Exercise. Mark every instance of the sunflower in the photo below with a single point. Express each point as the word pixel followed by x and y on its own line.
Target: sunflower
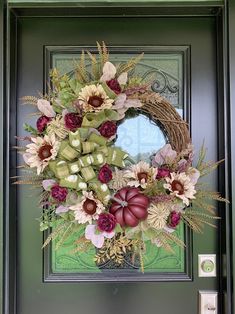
pixel 181 186
pixel 140 174
pixel 94 98
pixel 88 208
pixel 40 152
pixel 157 215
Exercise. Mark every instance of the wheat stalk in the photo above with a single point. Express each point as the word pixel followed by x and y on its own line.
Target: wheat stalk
pixel 54 234
pixel 129 65
pixel 94 66
pixel 29 100
pixel 64 236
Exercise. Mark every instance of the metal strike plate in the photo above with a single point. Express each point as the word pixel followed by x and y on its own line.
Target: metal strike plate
pixel 208 302
pixel 207 265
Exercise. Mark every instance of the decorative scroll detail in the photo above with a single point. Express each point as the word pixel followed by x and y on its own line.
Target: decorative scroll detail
pixel 162 81
pixel 156 260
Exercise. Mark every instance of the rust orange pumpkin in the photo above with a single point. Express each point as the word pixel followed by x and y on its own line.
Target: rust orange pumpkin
pixel 129 206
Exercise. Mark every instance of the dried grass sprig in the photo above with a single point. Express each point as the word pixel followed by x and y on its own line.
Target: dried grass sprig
pixel 19 148
pixel 27 182
pixel 94 66
pixel 103 53
pixel 164 241
pixel 193 224
pixel 81 73
pixel 82 245
pixel 55 233
pixel 129 65
pixel 197 220
pixel 199 203
pixel 208 167
pixel 211 195
pixel 65 235
pixel 115 249
pixel 172 237
pixel 29 100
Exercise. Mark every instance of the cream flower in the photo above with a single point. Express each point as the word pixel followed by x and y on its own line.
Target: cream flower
pixel 181 186
pixel 109 72
pixel 140 174
pixel 56 127
pixel 122 104
pixel 158 215
pixel 46 108
pixel 94 98
pixel 194 175
pixel 40 152
pixel 165 155
pixel 118 181
pixel 87 209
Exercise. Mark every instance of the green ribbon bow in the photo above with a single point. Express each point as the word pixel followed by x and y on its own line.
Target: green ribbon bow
pixel 78 157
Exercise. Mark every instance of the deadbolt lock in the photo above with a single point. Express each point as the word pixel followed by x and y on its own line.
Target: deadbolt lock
pixel 208 266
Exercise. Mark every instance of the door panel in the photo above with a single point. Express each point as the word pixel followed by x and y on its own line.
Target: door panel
pixel 36 296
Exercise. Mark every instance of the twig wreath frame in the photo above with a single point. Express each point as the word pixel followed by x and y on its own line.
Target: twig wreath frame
pixel 173 126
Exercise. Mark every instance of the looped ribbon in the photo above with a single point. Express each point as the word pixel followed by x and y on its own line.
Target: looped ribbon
pixel 94 119
pixel 78 155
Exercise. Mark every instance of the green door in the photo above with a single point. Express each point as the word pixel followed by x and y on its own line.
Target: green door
pixel 180 54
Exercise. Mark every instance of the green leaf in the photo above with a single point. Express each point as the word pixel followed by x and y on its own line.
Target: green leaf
pixel 43 226
pixel 67 216
pixel 149 234
pixel 75 85
pixel 57 108
pixel 118 228
pixel 30 129
pixel 134 232
pixel 109 91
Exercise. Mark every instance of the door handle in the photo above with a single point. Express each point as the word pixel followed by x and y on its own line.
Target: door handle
pixel 208 302
pixel 211 308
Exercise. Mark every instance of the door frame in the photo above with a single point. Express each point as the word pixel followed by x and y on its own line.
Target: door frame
pixel 224 14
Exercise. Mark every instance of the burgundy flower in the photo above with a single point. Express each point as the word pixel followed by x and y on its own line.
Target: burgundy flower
pixel 72 121
pixel 106 222
pixel 42 123
pixel 114 85
pixel 59 193
pixel 163 173
pixel 174 219
pixel 108 129
pixel 105 174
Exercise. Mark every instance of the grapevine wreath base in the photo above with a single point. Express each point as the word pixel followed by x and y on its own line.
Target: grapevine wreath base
pixel 91 187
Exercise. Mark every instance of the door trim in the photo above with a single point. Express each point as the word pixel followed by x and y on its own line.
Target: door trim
pixel 2 99
pixel 225 18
